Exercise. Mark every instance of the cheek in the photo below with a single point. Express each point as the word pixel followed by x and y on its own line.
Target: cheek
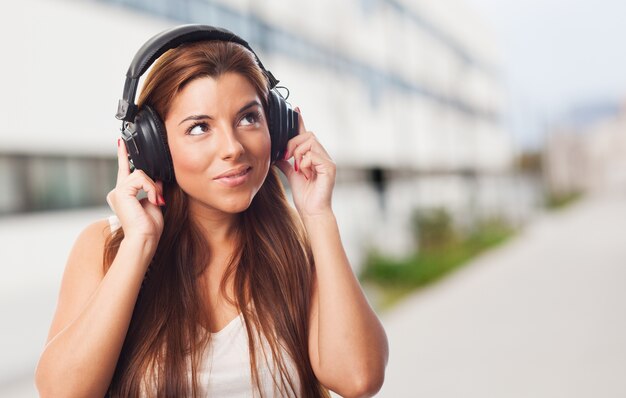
pixel 265 147
pixel 187 160
pixel 258 148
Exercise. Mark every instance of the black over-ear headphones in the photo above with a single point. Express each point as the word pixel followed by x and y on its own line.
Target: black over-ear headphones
pixel 143 131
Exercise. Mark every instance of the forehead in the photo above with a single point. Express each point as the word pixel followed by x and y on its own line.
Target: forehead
pixel 213 94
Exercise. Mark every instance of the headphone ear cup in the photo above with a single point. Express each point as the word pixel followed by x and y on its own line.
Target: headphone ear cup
pixel 152 155
pixel 282 124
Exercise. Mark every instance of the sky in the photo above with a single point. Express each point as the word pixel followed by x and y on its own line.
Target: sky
pixel 557 55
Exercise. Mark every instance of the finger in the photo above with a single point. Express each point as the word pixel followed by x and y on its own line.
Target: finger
pixel 301 128
pixel 306 166
pixel 123 165
pixel 149 187
pixel 154 212
pixel 318 164
pixel 159 186
pixel 295 141
pixel 311 145
pixel 147 204
pixel 301 149
pixel 285 167
pixel 151 193
pixel 138 181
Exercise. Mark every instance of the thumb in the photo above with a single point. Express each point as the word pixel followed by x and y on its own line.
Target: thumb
pixel 285 167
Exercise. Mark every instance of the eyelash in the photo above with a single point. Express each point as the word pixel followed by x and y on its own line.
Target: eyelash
pixel 194 125
pixel 256 116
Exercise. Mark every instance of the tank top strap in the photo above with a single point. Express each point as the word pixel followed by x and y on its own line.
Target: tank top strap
pixel 114 223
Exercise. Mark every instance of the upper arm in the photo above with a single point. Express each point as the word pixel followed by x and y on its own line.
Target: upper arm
pixel 82 275
pixel 314 329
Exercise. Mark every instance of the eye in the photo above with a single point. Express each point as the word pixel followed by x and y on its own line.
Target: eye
pixel 198 128
pixel 250 118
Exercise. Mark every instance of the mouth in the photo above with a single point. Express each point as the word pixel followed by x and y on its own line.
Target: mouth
pixel 234 177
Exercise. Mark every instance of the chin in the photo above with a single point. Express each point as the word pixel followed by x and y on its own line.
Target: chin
pixel 235 208
pixel 236 205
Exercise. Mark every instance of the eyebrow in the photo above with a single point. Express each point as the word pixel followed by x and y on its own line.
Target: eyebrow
pixel 200 117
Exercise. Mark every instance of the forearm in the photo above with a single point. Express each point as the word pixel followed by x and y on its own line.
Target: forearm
pixel 80 360
pixel 352 344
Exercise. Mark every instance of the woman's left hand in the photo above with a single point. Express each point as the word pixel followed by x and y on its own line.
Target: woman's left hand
pixel 312 176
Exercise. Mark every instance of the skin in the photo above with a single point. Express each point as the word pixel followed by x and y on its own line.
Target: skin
pixel 214 126
pixel 234 134
pixel 347 344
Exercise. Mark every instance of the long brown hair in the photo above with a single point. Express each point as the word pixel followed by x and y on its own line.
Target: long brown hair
pixel 272 267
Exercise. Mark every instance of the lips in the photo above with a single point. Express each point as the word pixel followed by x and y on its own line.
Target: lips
pixel 234 177
pixel 236 172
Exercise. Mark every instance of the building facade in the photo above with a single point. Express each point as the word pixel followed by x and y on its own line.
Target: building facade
pixel 405 95
pixel 588 157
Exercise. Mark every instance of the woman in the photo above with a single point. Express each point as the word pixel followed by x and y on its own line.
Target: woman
pixel 212 285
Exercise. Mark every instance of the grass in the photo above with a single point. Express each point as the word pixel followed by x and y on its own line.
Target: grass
pixel 555 201
pixel 393 279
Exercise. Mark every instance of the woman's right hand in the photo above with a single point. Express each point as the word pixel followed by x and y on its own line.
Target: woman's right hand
pixel 141 219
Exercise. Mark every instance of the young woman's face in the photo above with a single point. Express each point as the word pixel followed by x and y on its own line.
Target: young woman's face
pixel 220 143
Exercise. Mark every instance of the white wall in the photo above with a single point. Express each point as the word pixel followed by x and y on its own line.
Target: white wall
pixel 64 71
pixel 63 67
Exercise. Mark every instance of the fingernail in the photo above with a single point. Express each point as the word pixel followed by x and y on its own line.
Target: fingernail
pixel 295 165
pixel 298 110
pixel 161 200
pixel 118 142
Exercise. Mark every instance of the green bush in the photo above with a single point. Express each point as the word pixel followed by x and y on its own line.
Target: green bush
pixel 433 228
pixel 442 249
pixel 556 200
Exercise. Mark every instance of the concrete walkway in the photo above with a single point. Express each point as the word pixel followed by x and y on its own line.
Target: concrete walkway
pixel 33 252
pixel 542 316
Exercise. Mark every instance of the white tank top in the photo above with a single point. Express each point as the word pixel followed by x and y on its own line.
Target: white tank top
pixel 225 368
pixel 225 371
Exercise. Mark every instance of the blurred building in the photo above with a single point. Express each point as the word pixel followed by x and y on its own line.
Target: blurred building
pixel 588 152
pixel 405 95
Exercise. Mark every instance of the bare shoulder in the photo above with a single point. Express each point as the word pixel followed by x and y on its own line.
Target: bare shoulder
pixel 93 236
pixel 83 273
pixel 86 254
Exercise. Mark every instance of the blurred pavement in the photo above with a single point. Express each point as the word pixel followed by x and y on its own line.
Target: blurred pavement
pixel 33 252
pixel 542 316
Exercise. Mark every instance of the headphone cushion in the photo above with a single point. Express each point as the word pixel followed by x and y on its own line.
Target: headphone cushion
pixel 282 123
pixel 154 153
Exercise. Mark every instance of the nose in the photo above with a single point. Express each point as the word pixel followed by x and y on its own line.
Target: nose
pixel 230 145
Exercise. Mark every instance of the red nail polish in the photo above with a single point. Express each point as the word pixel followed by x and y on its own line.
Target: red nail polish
pixel 118 142
pixel 161 199
pixel 295 165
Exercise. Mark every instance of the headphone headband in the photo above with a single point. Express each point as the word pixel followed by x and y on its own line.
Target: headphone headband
pixel 166 40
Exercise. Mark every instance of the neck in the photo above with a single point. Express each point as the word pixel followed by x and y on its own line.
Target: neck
pixel 220 232
pixel 219 228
